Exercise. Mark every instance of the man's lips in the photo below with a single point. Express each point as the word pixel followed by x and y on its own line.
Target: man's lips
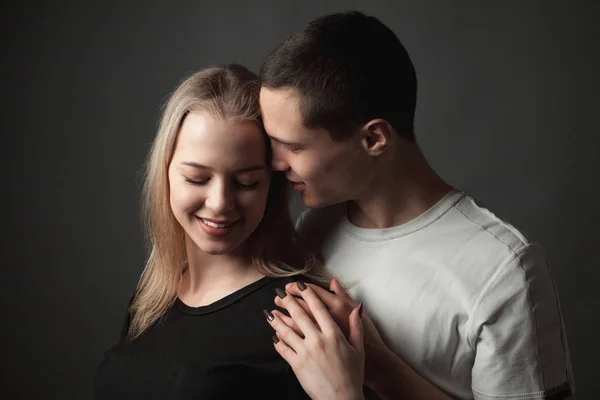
pixel 298 185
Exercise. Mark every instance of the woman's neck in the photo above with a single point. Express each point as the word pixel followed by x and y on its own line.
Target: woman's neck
pixel 211 277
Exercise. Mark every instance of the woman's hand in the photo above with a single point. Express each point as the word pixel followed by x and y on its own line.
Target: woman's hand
pixel 327 365
pixel 340 304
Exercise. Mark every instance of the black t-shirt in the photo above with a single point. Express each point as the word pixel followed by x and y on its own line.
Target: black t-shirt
pixel 220 351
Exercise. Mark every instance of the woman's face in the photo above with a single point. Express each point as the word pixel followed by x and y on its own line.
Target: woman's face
pixel 218 181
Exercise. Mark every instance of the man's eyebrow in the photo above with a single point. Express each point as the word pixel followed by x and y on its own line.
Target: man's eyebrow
pixel 237 171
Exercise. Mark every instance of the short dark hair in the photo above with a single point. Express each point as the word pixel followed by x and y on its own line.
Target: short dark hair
pixel 348 69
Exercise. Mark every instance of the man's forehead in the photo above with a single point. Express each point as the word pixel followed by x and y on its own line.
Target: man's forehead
pixel 273 100
pixel 282 119
pixel 280 110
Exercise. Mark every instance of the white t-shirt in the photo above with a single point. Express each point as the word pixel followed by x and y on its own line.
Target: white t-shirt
pixel 457 293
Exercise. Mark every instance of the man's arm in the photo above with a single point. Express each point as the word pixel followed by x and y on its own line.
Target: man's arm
pixel 385 373
pixel 518 334
pixel 390 377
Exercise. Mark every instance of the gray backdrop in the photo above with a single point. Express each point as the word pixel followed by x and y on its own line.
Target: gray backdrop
pixel 507 110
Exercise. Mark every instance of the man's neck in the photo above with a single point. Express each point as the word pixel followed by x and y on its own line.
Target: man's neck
pixel 403 188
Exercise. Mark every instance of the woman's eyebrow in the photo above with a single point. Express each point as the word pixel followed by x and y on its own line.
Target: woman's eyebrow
pixel 245 169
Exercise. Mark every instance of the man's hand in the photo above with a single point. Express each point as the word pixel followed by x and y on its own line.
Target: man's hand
pixel 340 305
pixel 327 365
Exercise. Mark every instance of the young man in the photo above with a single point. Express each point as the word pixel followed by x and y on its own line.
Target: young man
pixel 465 305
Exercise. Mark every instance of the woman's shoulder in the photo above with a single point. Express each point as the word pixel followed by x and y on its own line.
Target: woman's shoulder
pixel 282 282
pixel 292 279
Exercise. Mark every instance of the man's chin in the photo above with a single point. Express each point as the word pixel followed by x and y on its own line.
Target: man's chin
pixel 314 202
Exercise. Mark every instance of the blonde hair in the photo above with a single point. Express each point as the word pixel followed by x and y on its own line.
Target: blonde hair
pixel 230 92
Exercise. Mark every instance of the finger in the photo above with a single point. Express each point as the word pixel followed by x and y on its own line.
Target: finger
pixel 319 311
pixel 300 300
pixel 356 338
pixel 289 322
pixel 336 287
pixel 285 351
pixel 329 299
pixel 283 331
pixel 297 313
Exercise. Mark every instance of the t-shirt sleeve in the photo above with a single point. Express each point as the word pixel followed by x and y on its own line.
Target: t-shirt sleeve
pixel 518 334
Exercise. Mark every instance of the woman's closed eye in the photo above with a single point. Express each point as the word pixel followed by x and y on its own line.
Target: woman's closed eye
pixel 246 184
pixel 196 181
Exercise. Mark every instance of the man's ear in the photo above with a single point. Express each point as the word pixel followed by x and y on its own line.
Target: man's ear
pixel 376 136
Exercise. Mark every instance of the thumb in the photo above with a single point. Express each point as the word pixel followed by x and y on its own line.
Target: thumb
pixel 355 337
pixel 336 287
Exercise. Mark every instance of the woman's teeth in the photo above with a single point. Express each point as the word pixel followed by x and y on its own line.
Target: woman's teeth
pixel 215 225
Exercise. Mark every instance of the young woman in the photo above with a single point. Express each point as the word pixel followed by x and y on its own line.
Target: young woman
pixel 222 246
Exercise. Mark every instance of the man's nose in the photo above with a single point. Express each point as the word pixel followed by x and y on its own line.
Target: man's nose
pixel 278 163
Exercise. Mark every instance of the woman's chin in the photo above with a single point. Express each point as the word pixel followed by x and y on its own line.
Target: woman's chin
pixel 217 249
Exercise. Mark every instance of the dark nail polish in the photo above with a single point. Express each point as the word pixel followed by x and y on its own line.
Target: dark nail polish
pixel 360 310
pixel 301 285
pixel 275 339
pixel 268 314
pixel 280 293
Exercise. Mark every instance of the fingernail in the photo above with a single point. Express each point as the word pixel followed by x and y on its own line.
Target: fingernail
pixel 301 285
pixel 268 314
pixel 275 339
pixel 280 293
pixel 360 310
